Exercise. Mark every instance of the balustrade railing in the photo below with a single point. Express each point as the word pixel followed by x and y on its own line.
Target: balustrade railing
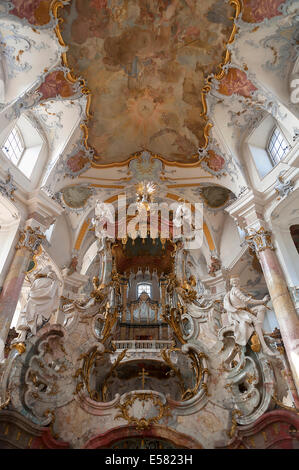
pixel 142 344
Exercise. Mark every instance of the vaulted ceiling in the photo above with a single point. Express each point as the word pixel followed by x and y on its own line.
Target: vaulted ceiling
pixel 158 90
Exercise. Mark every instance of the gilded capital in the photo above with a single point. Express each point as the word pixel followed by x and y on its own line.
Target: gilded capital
pixel 260 240
pixel 20 347
pixel 30 238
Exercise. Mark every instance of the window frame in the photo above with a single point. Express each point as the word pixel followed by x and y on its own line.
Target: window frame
pixel 33 149
pixel 286 151
pixel 24 148
pixel 146 284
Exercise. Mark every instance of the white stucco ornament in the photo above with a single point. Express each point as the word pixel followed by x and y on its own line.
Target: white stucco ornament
pixel 43 298
pixel 245 320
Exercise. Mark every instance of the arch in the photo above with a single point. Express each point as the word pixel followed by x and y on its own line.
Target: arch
pixel 85 224
pixel 107 439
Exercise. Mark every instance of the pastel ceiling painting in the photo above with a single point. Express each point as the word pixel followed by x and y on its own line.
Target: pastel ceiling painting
pixel 145 64
pixel 149 225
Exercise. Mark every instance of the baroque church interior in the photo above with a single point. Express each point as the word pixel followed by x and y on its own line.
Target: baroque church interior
pixel 122 124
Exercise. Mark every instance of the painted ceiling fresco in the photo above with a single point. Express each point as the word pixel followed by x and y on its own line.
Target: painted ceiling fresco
pixel 255 11
pixel 145 64
pixel 76 196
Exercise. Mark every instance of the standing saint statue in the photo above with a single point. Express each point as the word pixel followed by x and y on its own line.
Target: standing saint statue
pixel 43 298
pixel 243 319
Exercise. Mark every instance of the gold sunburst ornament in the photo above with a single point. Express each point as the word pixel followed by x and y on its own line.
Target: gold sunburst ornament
pixel 145 194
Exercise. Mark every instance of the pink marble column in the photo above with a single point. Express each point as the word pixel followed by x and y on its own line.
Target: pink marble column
pixel 29 241
pixel 282 302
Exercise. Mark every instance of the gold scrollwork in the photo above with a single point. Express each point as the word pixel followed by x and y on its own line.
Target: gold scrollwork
pixel 142 423
pixel 53 417
pixel 196 364
pixel 282 405
pixel 110 320
pixel 173 318
pixel 114 366
pixel 85 371
pixel 165 354
pixel 6 402
pixel 188 393
pixel 234 424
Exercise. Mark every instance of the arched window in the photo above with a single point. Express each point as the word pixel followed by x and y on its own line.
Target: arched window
pixel 268 143
pixel 14 146
pixel 22 146
pixel 277 147
pixel 142 287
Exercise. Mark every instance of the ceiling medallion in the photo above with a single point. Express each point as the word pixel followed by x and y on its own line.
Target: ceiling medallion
pixel 134 61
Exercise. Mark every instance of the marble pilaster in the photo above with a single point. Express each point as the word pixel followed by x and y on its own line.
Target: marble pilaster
pixel 249 213
pixel 28 244
pixel 284 309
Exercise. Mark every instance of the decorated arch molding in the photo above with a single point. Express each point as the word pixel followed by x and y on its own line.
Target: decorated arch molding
pixel 107 439
pixel 84 227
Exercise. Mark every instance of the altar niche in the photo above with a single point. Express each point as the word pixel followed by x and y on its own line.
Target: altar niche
pixel 138 375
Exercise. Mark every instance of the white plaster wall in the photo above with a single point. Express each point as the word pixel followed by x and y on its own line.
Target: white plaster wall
pixel 230 239
pixel 285 215
pixel 60 248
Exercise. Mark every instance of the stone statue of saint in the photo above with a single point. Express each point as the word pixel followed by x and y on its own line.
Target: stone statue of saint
pixel 43 298
pixel 245 320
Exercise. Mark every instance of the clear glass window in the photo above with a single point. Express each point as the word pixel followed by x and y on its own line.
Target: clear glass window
pixel 143 288
pixel 14 146
pixel 277 146
pixel 49 231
